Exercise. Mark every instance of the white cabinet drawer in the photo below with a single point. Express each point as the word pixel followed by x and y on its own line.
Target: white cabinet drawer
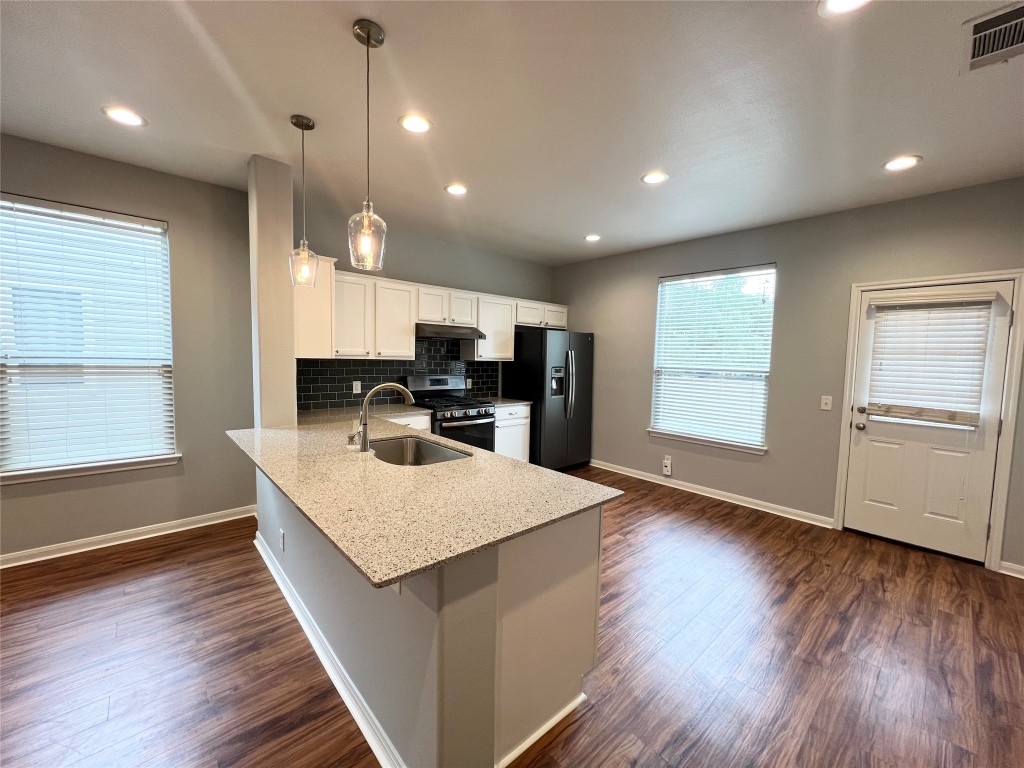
pixel 504 413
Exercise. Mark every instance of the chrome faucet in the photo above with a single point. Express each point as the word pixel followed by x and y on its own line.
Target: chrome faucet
pixel 364 433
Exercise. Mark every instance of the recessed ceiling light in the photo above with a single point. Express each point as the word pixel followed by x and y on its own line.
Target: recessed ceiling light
pixel 414 123
pixel 456 189
pixel 124 116
pixel 828 8
pixel 592 238
pixel 654 177
pixel 902 163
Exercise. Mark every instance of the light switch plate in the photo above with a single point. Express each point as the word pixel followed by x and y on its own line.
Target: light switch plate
pixel 357 387
pixel 469 383
pixel 826 403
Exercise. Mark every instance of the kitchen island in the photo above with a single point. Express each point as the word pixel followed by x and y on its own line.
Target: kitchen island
pixel 454 604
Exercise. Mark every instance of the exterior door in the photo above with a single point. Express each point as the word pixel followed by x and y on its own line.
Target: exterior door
pixel 926 406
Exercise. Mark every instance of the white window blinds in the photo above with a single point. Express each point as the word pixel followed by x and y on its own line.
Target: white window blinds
pixel 928 362
pixel 712 356
pixel 85 327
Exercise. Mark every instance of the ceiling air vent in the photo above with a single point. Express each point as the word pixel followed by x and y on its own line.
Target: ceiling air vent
pixel 993 38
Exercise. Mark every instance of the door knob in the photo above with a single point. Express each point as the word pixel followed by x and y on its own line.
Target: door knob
pixel 861 425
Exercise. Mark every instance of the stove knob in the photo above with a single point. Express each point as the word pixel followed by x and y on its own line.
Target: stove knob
pixel 471 411
pixel 449 414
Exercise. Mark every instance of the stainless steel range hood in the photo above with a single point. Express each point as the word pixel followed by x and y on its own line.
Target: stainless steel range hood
pixel 437 331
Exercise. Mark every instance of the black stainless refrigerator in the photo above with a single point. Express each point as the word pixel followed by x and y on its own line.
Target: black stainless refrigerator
pixel 554 370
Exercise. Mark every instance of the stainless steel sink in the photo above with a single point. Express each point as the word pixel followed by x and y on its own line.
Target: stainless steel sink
pixel 413 451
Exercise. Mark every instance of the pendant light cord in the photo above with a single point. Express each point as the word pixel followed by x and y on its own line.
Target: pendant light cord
pixel 303 132
pixel 368 116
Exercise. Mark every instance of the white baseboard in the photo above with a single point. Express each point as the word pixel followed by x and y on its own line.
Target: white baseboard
pixel 743 501
pixel 1012 569
pixel 547 726
pixel 373 732
pixel 123 537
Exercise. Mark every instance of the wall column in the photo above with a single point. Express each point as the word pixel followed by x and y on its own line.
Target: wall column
pixel 273 335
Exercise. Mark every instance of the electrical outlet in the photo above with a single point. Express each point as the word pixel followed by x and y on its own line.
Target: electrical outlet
pixel 357 387
pixel 469 383
pixel 666 466
pixel 282 539
pixel 826 403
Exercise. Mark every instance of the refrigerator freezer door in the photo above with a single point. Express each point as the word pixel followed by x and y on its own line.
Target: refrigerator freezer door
pixel 581 387
pixel 554 425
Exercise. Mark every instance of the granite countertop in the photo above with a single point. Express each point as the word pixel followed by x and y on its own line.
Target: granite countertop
pixel 393 522
pixel 347 415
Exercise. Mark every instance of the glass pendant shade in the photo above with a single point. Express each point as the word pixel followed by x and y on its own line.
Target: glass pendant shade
pixel 303 263
pixel 366 232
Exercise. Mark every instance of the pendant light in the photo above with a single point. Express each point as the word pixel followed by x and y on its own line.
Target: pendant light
pixel 366 230
pixel 302 261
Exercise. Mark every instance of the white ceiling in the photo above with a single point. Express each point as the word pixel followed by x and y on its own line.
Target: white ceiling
pixel 549 112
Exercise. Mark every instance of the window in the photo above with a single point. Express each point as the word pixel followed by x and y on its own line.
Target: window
pixel 712 354
pixel 928 362
pixel 85 328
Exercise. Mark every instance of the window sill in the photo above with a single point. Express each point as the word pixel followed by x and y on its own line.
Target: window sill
pixel 80 470
pixel 759 450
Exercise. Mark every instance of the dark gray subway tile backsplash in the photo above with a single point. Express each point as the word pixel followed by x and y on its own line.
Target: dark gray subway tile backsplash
pixel 328 383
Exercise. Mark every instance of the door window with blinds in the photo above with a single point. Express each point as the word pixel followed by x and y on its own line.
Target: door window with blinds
pixel 928 360
pixel 85 330
pixel 712 357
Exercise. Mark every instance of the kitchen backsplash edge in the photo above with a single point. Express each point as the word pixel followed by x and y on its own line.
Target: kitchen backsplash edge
pixel 324 384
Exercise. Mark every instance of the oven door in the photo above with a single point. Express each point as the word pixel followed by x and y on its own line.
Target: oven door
pixel 477 432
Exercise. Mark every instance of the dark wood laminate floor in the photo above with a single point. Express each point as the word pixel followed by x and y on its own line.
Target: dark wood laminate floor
pixel 728 638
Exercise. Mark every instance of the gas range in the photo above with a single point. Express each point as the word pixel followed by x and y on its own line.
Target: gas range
pixel 455 414
pixel 457 407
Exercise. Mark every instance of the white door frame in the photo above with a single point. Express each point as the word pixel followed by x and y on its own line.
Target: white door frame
pixel 1008 412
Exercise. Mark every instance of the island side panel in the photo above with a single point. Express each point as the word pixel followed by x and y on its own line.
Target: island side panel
pixel 548 600
pixel 386 640
pixel 469 593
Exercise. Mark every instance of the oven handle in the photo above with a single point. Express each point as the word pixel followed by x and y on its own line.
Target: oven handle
pixel 453 424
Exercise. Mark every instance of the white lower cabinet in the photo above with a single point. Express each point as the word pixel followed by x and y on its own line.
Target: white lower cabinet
pixel 416 420
pixel 512 432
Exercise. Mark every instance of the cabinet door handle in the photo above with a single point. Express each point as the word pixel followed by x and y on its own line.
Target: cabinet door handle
pixel 378 354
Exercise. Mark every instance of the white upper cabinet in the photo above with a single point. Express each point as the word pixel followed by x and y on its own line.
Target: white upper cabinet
pixel 314 331
pixel 433 304
pixel 348 315
pixel 462 308
pixel 395 327
pixel 441 306
pixel 546 315
pixel 353 315
pixel 496 319
pixel 529 313
pixel 556 316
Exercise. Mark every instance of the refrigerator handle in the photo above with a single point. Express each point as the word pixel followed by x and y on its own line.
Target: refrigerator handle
pixel 567 400
pixel 572 383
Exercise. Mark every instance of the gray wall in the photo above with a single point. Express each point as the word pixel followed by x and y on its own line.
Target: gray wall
pixel 967 230
pixel 209 245
pixel 417 257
